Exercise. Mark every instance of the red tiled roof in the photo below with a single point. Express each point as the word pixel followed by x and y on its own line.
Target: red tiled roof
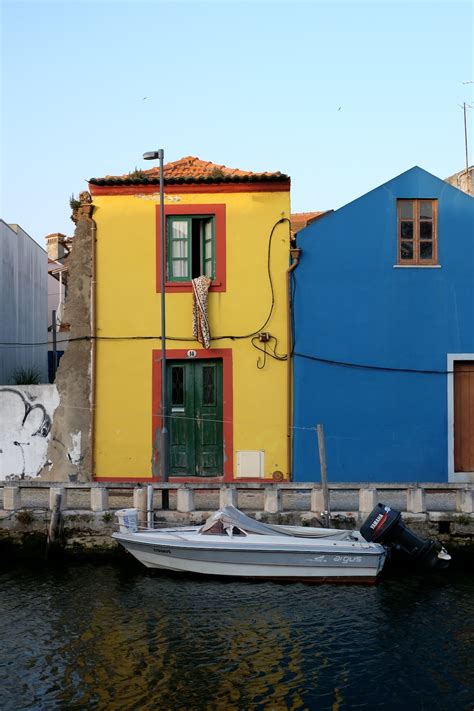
pixel 189 170
pixel 300 220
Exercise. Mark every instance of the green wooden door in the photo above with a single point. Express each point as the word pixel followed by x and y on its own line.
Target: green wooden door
pixel 195 407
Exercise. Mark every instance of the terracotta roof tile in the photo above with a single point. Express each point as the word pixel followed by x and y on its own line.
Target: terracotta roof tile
pixel 189 170
pixel 300 220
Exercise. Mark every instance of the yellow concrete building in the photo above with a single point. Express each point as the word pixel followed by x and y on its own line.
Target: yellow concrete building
pixel 227 403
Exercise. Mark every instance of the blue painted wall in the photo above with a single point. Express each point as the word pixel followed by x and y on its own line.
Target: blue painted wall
pixel 352 306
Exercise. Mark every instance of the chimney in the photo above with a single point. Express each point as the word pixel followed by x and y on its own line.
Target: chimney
pixel 55 246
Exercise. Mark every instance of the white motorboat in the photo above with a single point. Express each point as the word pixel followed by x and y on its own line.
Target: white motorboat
pixel 232 544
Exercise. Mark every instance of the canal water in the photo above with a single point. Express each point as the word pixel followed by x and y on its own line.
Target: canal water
pixel 114 637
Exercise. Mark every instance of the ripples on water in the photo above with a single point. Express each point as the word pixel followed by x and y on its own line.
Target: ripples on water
pixel 91 637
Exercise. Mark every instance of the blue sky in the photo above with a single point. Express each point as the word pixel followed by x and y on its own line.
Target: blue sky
pixel 340 95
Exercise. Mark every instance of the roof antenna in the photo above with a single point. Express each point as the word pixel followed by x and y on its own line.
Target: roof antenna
pixel 464 107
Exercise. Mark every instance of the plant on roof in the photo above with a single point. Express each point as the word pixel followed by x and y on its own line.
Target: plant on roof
pixel 217 172
pixel 137 174
pixel 74 203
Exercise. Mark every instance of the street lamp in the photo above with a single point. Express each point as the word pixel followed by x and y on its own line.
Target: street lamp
pixel 165 438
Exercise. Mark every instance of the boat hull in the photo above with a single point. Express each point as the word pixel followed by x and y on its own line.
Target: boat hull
pixel 335 562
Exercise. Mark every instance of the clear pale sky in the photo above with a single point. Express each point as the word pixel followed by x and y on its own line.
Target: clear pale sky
pixel 342 96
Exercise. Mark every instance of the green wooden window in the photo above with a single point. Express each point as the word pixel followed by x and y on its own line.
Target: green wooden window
pixel 190 247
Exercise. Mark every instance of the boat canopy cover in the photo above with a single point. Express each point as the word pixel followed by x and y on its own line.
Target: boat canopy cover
pixel 228 518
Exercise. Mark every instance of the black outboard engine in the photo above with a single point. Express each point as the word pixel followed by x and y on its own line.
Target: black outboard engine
pixel 384 525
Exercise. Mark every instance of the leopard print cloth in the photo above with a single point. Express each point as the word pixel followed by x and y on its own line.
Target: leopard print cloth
pixel 200 320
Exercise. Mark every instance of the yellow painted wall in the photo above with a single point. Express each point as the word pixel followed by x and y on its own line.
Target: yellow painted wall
pixel 128 305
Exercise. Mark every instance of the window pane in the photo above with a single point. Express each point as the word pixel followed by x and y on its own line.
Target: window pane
pixel 179 249
pixel 208 230
pixel 407 230
pixel 426 230
pixel 177 385
pixel 207 256
pixel 426 208
pixel 208 385
pixel 179 268
pixel 179 229
pixel 426 250
pixel 406 208
pixel 406 250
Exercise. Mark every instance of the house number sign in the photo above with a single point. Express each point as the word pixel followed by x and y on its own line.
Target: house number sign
pixel 191 354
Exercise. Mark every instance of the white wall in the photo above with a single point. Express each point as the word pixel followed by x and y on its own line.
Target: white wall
pixel 56 299
pixel 23 303
pixel 26 414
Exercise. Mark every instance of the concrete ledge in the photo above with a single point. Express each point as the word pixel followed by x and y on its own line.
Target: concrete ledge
pixel 437 516
pixel 409 517
pixel 242 485
pixel 90 530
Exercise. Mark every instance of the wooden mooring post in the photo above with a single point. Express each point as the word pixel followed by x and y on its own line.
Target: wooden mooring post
pixel 54 522
pixel 324 475
pixel 149 507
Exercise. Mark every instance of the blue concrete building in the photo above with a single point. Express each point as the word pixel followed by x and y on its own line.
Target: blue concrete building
pixel 384 336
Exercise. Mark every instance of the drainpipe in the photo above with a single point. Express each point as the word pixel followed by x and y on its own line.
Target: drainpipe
pixel 295 255
pixel 93 346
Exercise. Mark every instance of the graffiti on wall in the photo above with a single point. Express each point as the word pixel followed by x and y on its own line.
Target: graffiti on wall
pixel 26 414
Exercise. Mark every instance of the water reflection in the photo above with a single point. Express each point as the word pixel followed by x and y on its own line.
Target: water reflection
pixel 103 638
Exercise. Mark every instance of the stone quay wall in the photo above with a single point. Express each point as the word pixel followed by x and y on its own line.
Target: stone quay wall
pixel 88 510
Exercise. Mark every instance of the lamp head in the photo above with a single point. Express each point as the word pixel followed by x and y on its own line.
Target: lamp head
pixel 154 155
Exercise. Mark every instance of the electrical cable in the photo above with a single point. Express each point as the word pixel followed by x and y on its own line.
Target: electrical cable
pixel 179 338
pixel 382 368
pixel 318 359
pixel 262 327
pixel 253 335
pixel 267 352
pixel 328 361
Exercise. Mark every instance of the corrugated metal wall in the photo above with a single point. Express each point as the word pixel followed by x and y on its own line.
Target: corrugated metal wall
pixel 23 303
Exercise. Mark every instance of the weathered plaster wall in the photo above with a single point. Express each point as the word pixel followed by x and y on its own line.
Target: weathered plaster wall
pixel 69 450
pixel 464 180
pixel 25 428
pixel 23 303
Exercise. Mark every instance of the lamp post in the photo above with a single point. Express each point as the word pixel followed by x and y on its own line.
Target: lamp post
pixel 164 439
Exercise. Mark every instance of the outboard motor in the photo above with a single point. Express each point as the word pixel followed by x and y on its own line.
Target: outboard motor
pixel 384 525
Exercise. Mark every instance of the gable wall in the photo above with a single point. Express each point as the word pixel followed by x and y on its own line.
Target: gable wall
pixel 352 305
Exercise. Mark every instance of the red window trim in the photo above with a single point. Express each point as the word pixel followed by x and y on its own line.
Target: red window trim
pixel 219 212
pixel 227 406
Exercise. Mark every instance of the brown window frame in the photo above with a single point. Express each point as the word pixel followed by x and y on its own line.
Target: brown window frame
pixel 416 260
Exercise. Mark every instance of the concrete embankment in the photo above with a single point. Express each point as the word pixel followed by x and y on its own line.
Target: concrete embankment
pixel 23 534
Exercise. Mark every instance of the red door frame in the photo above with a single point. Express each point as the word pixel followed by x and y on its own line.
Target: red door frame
pixel 227 407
